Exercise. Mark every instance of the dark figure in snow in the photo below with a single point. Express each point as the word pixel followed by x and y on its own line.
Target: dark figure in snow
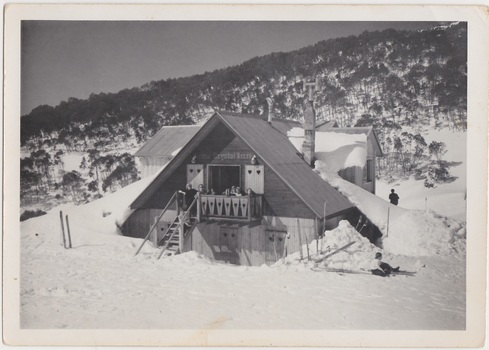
pixel 393 197
pixel 189 195
pixel 380 268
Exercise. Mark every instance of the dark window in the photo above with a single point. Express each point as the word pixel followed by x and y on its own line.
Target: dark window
pixel 222 177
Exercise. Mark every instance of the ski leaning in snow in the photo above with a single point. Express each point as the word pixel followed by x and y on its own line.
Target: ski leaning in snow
pixel 335 252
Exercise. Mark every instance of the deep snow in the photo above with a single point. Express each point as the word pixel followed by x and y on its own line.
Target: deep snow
pixel 100 284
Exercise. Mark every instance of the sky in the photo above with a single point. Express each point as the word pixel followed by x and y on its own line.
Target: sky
pixel 63 59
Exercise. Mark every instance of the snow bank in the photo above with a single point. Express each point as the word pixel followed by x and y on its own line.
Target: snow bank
pixel 425 233
pixel 412 233
pixel 357 256
pixel 407 232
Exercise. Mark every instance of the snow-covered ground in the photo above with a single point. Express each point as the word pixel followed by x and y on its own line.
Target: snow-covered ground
pixel 100 284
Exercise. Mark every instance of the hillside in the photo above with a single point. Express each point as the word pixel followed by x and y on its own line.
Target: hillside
pixel 401 82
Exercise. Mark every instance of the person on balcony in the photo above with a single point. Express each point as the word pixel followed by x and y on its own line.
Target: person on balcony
pixel 238 192
pixel 202 190
pixel 189 196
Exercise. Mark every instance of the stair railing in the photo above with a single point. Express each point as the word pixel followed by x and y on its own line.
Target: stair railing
pixel 172 199
pixel 185 216
pixel 167 241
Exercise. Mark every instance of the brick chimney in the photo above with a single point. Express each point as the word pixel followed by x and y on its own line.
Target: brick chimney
pixel 309 144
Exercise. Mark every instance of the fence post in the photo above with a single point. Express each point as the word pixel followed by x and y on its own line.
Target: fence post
pixel 300 238
pixel 388 216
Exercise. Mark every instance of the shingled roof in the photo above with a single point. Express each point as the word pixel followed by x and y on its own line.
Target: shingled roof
pixel 167 140
pixel 270 143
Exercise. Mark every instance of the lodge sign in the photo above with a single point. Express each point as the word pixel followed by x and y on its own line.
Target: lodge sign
pixel 226 156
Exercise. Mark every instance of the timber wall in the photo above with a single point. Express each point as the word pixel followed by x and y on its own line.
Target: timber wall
pixel 255 244
pixel 150 165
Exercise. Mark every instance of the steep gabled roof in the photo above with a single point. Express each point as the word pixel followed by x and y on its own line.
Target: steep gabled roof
pixel 273 148
pixel 167 140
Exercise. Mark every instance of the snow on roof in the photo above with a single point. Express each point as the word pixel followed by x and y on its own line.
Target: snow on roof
pixel 337 150
pixel 131 193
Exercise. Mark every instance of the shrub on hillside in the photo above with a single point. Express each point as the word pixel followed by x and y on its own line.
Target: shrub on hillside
pixel 437 175
pixel 31 214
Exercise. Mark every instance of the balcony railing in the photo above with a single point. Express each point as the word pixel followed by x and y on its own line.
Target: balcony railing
pixel 232 207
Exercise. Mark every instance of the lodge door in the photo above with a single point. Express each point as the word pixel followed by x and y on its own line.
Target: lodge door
pixel 275 246
pixel 228 241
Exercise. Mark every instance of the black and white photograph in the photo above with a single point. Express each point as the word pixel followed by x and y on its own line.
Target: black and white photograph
pixel 284 177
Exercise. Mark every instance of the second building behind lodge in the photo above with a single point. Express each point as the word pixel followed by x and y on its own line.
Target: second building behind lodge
pixel 283 203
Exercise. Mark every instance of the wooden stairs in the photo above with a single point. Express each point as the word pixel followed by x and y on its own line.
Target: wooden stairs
pixel 171 241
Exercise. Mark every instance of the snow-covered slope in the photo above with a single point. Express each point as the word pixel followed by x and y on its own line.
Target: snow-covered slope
pixel 447 199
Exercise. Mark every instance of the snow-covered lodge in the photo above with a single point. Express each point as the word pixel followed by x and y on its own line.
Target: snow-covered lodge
pixel 284 202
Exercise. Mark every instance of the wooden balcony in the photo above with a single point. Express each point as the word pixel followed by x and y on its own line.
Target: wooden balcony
pixel 248 207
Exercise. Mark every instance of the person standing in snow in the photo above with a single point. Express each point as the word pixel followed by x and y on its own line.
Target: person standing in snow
pixel 393 197
pixel 380 268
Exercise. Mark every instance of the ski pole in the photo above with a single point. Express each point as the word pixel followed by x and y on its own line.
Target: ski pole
pixel 68 231
pixel 62 228
pixel 364 224
pixel 358 223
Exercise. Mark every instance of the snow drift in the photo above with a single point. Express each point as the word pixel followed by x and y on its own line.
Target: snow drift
pixel 407 232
